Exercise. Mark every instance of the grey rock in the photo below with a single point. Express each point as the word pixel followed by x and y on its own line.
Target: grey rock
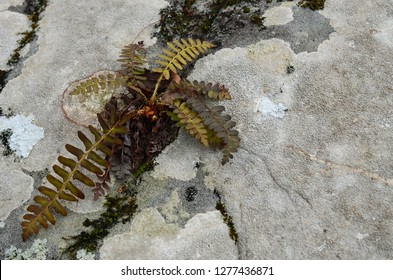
pixel 205 236
pixel 6 4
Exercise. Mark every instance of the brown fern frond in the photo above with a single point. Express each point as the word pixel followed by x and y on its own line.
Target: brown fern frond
pixel 133 60
pixel 212 91
pixel 186 89
pixel 107 82
pixel 92 160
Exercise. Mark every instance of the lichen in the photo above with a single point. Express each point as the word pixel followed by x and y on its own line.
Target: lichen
pixel 38 251
pixel 84 255
pixel 24 134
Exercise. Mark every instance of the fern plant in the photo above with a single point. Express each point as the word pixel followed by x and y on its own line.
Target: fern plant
pixel 135 126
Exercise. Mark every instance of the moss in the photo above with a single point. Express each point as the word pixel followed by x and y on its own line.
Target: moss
pixel 257 20
pixel 290 69
pixel 182 19
pixel 246 10
pixel 228 220
pixel 312 4
pixel 33 10
pixel 5 136
pixel 147 166
pixel 117 209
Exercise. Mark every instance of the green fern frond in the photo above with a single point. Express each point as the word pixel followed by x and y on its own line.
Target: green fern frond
pixel 179 54
pixel 220 124
pixel 108 82
pixel 133 61
pixel 87 161
pixel 190 121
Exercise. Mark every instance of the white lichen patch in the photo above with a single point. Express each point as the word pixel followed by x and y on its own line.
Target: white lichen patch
pixel 384 33
pixel 84 255
pixel 269 108
pixel 278 15
pixel 24 134
pixel 37 251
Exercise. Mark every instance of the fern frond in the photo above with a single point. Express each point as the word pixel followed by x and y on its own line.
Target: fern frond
pixel 186 89
pixel 221 125
pixel 133 61
pixel 212 91
pixel 191 121
pixel 63 187
pixel 179 54
pixel 107 82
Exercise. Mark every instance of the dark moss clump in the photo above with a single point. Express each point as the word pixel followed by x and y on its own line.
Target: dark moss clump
pixel 219 17
pixel 312 4
pixel 33 9
pixel 5 136
pixel 3 78
pixel 228 220
pixel 117 209
pixel 191 192
pixel 290 69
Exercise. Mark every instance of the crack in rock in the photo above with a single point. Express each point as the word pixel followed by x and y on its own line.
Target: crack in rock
pixel 345 167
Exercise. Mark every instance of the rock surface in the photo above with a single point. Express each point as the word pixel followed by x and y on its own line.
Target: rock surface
pixel 312 99
pixel 11 25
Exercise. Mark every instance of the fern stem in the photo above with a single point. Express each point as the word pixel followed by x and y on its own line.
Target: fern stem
pixel 153 97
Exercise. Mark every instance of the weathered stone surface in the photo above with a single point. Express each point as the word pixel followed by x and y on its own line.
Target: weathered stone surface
pixel 310 182
pixel 205 236
pixel 15 189
pixel 317 183
pixel 6 4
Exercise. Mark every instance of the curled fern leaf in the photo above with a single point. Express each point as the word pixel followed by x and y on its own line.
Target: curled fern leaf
pixel 94 84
